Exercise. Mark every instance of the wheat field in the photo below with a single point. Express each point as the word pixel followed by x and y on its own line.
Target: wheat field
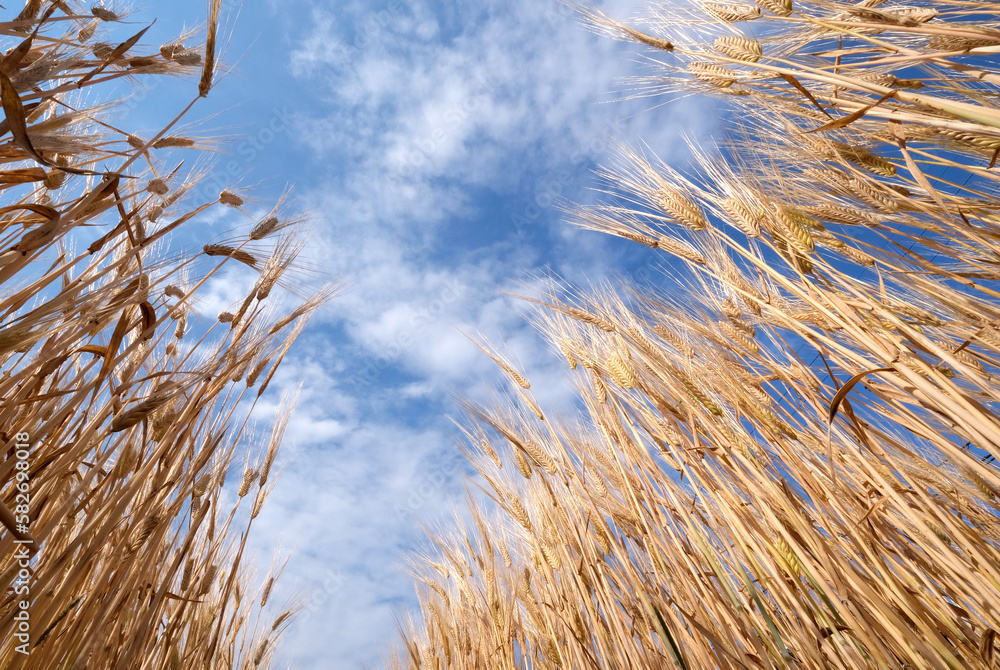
pixel 787 464
pixel 122 407
pixel 790 463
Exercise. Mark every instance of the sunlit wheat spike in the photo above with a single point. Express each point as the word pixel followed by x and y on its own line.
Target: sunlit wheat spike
pixel 566 347
pixel 968 359
pixel 679 343
pixel 522 463
pixel 174 291
pixel 173 142
pixel 244 257
pixel 910 16
pixel 140 538
pixel 959 42
pixel 842 215
pixel 102 50
pixel 208 579
pixel 488 449
pixel 680 208
pixel 87 32
pixel 681 249
pixel 140 411
pixel 258 502
pixel 857 255
pixel 261 650
pixel 777 7
pixel 264 228
pixel 171 50
pixel 604 23
pixel 519 513
pixel 641 239
pixel 540 457
pixel 249 477
pixel 621 372
pixel 186 578
pixel 793 255
pixel 987 142
pixel 738 336
pixel 551 557
pixel 518 378
pixel 583 316
pixel 504 364
pixel 600 390
pixel 601 537
pixel 256 371
pixel 103 14
pixel 712 73
pixel 54 179
pixel 697 394
pixel 741 215
pixel 732 13
pixel 869 161
pixel 872 196
pixel 790 228
pixel 282 618
pixel 730 309
pixel 740 48
pixel 881 78
pixel 157 186
pixel 230 199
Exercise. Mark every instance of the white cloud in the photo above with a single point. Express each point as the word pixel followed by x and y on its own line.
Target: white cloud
pixel 427 183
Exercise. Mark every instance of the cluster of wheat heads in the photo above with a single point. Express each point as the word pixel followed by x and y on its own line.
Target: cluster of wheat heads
pixel 130 406
pixel 788 464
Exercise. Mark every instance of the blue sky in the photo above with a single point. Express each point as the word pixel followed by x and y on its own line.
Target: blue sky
pixel 428 141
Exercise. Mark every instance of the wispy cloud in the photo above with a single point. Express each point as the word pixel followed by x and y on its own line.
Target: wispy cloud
pixel 433 139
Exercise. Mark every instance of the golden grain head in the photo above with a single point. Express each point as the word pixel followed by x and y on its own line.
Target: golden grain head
pixel 230 199
pixel 777 7
pixel 733 12
pixel 157 186
pixel 740 48
pixel 713 73
pixel 87 32
pixel 280 620
pixel 681 208
pixel 102 50
pixel 173 142
pixel 242 256
pixel 264 228
pixel 103 14
pixel 249 477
